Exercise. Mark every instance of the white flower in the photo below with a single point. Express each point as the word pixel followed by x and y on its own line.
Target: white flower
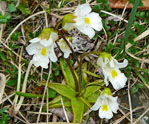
pixel 110 68
pixel 41 54
pixel 85 21
pixel 47 37
pixel 106 104
pixel 64 47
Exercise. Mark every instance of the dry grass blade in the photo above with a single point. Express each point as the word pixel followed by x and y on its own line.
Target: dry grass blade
pixel 38 13
pixel 141 36
pixel 123 117
pixel 23 88
pixel 2 85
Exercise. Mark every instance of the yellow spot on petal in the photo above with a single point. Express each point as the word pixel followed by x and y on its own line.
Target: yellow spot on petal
pixel 87 20
pixel 43 51
pixel 104 108
pixel 114 73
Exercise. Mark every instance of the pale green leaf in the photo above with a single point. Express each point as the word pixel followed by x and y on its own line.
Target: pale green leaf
pixel 62 89
pixel 67 73
pixel 92 74
pixel 85 101
pixel 92 98
pixel 56 102
pixel 78 110
pixel 92 88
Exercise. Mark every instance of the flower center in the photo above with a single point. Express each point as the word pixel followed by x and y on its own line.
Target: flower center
pixel 114 73
pixel 87 20
pixel 43 51
pixel 105 108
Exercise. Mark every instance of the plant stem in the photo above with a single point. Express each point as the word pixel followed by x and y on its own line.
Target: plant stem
pixel 77 86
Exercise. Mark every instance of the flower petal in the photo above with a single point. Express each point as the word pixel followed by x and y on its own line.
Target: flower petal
pixel 100 61
pixel 66 53
pixel 87 30
pixel 35 40
pixel 121 65
pixel 95 21
pixel 105 76
pixel 68 26
pixel 52 54
pixel 46 43
pixel 83 10
pixel 33 48
pixel 53 36
pixel 96 105
pixel 105 114
pixel 114 104
pixel 119 82
pixel 39 60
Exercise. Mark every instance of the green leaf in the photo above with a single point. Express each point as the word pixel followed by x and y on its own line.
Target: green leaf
pixel 51 93
pixel 4 18
pixel 140 85
pixel 28 95
pixel 78 110
pixel 63 90
pixel 92 88
pixel 11 8
pixel 56 102
pixel 92 74
pixel 67 73
pixel 3 56
pixel 84 75
pixel 85 101
pixel 143 79
pixel 130 22
pixel 92 98
pixel 15 36
pixel 11 82
pixel 23 9
pixel 67 103
pixel 134 89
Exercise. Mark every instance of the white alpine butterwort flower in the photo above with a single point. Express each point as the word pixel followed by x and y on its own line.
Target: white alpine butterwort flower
pixel 64 47
pixel 41 54
pixel 47 37
pixel 85 21
pixel 110 68
pixel 106 103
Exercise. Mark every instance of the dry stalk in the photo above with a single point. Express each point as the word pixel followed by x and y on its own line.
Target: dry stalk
pixel 16 109
pixel 2 85
pixel 50 70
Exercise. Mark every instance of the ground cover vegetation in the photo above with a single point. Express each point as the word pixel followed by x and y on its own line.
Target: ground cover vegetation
pixel 73 61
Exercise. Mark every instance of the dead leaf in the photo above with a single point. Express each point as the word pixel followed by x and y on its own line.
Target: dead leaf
pixel 120 4
pixel 59 112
